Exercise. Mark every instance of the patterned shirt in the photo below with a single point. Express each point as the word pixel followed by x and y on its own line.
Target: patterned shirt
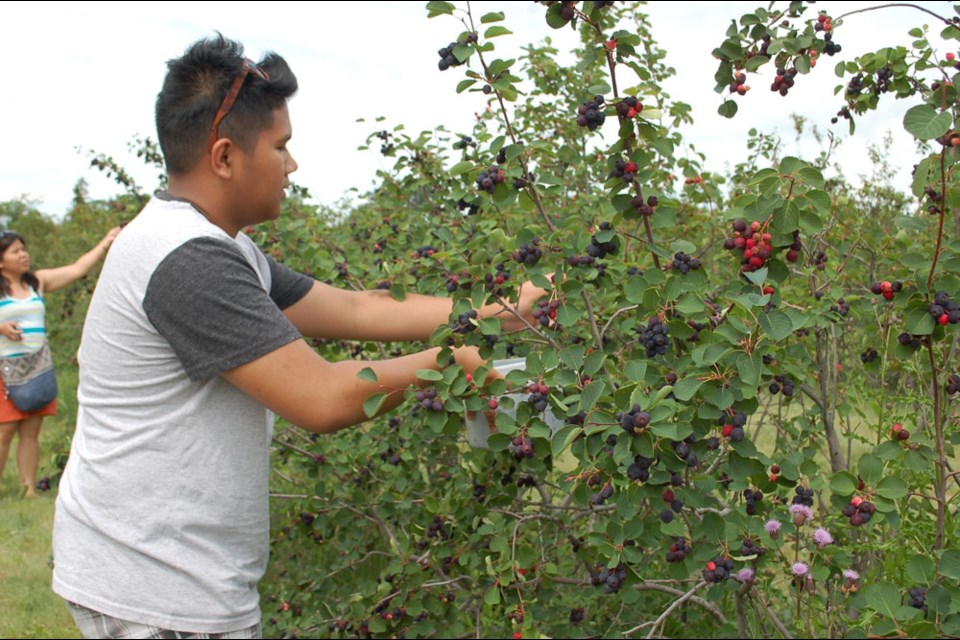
pixel 29 314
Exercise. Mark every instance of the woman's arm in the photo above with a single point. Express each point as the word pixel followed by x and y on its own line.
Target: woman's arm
pixel 60 277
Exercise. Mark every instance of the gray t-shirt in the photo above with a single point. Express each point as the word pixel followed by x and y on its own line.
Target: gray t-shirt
pixel 163 516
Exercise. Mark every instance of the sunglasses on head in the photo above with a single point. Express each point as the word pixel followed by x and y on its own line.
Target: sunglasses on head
pixel 249 66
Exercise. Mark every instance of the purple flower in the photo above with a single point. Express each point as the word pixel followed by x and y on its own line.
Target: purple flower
pixel 822 537
pixel 801 513
pixel 799 569
pixel 851 575
pixel 772 527
pixel 744 575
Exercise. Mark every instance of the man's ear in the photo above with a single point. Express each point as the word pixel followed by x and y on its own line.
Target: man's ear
pixel 221 156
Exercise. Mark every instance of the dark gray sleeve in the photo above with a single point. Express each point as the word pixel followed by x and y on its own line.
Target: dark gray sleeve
pixel 208 302
pixel 288 286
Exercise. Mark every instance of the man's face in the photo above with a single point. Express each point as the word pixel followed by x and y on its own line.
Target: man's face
pixel 262 173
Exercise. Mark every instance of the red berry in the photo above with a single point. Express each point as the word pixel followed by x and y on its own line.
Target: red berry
pixel 885 286
pixel 775 469
pixel 727 430
pixel 773 477
pixel 944 319
pixel 792 255
pixel 897 426
pixel 712 566
pixel 769 291
pixel 951 55
pixel 888 295
pixel 517 635
pixel 493 404
pixel 755 226
pixel 630 167
pixel 610 44
pixel 856 500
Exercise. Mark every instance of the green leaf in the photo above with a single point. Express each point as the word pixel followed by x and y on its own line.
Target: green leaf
pixel 568 315
pixel 429 375
pixel 727 109
pixel 489 326
pixel 749 366
pixel 493 16
pixel 843 484
pixel 367 374
pixel 463 85
pixel 563 438
pixel 950 564
pixel 573 356
pixel 919 322
pixel 686 388
pixel 892 488
pixel 372 404
pixel 925 123
pixel 461 167
pixel 921 570
pixel 883 598
pixel 495 31
pixel 871 469
pixel 636 370
pixel 776 324
pixel 439 8
pixel 591 394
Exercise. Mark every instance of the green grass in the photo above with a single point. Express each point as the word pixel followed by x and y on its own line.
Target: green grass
pixel 30 608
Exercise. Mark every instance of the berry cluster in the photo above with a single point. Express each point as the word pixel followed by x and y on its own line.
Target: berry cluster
pixel 732 425
pixel 601 496
pixel 684 263
pixel 633 421
pixel 910 341
pixel 935 196
pixel 829 46
pixel 678 550
pixel 387 147
pixel 447 58
pixel 43 484
pixel 654 337
pixel 953 384
pixel 685 452
pixel 466 322
pixel 581 261
pixel 538 398
pixel 493 281
pixel 884 81
pixel 479 491
pixel 781 383
pixel 489 179
pixel 437 529
pixel 629 107
pixel 644 208
pixel 717 570
pixel 546 312
pixel 529 254
pixel 917 598
pixel 470 207
pixel 855 86
pixel 428 399
pixel 784 80
pixel 803 495
pixel 755 245
pixel 590 114
pixel 943 310
pixel 897 432
pixel 676 506
pixel 823 23
pixel 577 615
pixel 843 113
pixel 751 548
pixel 859 511
pixel 457 280
pixel 886 288
pixel 640 469
pixel 522 447
pixel 751 498
pixel 820 262
pixel 425 251
pixel 842 307
pixel 464 142
pixel 739 84
pixel 626 169
pixel 611 579
pixel 599 249
pixel 868 355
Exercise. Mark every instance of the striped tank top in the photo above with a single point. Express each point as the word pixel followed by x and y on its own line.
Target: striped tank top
pixel 29 314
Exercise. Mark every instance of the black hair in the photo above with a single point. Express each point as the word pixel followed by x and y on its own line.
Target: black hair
pixel 194 88
pixel 7 238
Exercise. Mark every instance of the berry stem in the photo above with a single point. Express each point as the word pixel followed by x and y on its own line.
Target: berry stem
pixel 943 189
pixel 940 488
pixel 896 4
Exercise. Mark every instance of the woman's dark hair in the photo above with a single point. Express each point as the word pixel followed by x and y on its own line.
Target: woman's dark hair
pixel 7 238
pixel 194 89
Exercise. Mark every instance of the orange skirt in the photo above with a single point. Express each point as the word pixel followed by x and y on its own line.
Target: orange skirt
pixel 10 413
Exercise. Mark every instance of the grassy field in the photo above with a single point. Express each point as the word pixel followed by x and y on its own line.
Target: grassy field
pixel 30 609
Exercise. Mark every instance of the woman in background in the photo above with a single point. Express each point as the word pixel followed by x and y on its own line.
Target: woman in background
pixel 23 331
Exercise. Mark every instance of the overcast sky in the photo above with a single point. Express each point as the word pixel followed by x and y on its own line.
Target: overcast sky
pixel 84 75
